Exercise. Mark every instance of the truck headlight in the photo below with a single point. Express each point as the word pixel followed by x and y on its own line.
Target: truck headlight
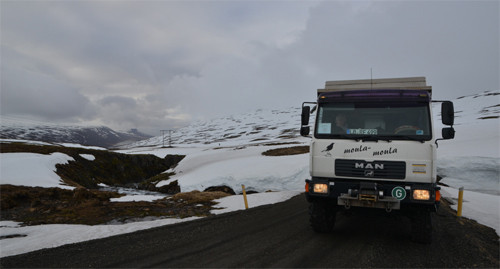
pixel 421 195
pixel 320 188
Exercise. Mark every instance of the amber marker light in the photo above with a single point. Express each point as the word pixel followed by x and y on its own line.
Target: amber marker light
pixel 438 196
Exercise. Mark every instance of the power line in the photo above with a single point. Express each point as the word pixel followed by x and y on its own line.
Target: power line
pixel 169 137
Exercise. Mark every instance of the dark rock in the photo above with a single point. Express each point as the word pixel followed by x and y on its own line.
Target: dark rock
pixel 251 192
pixel 171 188
pixel 221 188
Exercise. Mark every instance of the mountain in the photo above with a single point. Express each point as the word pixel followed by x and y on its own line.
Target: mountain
pixel 258 127
pixel 282 126
pixel 101 136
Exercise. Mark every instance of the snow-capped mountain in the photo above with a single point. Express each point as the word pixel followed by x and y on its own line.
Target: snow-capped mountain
pixel 270 126
pixel 101 136
pixel 258 127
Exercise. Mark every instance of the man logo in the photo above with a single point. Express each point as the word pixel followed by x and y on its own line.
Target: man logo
pixel 376 166
pixel 369 173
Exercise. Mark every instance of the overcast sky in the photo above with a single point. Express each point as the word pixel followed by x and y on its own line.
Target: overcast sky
pixel 157 65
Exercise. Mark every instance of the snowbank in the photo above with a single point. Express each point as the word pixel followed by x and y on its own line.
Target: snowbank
pixel 236 202
pixel 481 207
pixel 54 235
pixel 32 169
pixel 234 167
pixel 479 174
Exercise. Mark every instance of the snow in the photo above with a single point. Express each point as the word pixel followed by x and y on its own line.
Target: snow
pixel 136 198
pixel 229 151
pixel 4 140
pixel 73 145
pixel 237 202
pixel 89 157
pixel 481 207
pixel 132 195
pixel 483 175
pixel 243 166
pixel 54 235
pixel 32 169
pixel 478 139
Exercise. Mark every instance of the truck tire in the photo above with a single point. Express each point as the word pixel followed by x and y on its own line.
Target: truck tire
pixel 421 227
pixel 322 216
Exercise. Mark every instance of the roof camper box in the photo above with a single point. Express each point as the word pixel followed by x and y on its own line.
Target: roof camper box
pixel 410 83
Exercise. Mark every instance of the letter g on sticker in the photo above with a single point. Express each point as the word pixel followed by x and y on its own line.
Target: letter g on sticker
pixel 399 193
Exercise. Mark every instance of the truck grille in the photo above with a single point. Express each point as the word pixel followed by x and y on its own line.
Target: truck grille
pixel 375 169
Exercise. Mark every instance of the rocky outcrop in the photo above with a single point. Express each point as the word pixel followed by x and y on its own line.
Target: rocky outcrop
pixel 221 188
pixel 107 167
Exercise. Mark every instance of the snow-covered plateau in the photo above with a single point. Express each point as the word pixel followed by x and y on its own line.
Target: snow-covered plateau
pixel 229 151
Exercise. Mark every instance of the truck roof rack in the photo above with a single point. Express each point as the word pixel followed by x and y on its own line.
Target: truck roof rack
pixel 408 83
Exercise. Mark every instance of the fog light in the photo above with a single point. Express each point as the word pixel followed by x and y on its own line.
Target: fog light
pixel 421 195
pixel 320 188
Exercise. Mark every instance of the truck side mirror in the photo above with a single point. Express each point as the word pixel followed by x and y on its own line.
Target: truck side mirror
pixel 306 111
pixel 448 133
pixel 447 113
pixel 304 130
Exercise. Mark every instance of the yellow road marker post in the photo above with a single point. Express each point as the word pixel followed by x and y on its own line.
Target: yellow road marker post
pixel 460 201
pixel 245 196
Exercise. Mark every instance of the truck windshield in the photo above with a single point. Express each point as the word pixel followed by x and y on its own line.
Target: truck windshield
pixel 374 121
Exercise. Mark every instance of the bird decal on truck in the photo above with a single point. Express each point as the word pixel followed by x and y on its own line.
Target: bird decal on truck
pixel 328 149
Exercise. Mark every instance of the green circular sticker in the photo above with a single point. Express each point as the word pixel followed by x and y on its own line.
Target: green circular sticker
pixel 399 193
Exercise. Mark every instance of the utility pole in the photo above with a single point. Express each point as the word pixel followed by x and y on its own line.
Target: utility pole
pixel 169 137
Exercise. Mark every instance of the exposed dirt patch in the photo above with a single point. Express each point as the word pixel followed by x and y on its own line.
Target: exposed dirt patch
pixel 287 151
pixel 279 143
pixel 221 188
pixel 488 117
pixel 35 205
pixel 197 197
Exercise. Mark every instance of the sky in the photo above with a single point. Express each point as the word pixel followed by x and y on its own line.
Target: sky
pixel 155 65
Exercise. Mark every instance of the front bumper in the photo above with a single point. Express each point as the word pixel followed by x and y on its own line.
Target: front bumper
pixel 386 195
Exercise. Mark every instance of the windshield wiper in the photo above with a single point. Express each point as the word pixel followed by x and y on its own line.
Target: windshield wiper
pixel 375 138
pixel 407 137
pixel 364 138
pixel 352 137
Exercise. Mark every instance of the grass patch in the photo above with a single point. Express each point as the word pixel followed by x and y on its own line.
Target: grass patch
pixel 197 197
pixel 36 205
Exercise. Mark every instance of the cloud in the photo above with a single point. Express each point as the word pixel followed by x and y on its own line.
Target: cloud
pixel 444 41
pixel 29 92
pixel 161 64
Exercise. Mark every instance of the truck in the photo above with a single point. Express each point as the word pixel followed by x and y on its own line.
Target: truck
pixel 373 149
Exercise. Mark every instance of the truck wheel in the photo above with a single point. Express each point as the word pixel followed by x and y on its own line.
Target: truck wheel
pixel 421 227
pixel 322 217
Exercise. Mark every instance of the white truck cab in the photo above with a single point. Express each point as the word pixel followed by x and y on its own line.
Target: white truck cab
pixel 374 146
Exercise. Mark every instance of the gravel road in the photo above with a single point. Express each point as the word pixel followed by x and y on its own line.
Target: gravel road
pixel 279 236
